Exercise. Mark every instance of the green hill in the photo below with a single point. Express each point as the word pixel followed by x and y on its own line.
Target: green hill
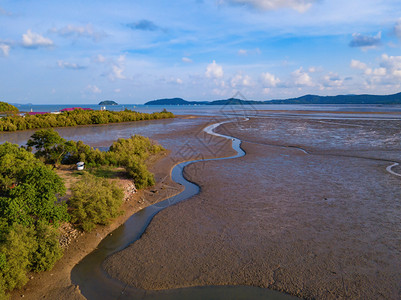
pixel 234 101
pixel 108 102
pixel 307 99
pixel 174 101
pixel 341 99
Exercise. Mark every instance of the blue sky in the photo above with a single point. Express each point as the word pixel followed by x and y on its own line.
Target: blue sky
pixel 135 51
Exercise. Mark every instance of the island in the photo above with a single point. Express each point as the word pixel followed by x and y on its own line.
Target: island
pixel 306 99
pixel 108 102
pixel 174 101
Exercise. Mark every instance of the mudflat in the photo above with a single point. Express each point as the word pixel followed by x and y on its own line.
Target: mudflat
pixel 187 142
pixel 310 210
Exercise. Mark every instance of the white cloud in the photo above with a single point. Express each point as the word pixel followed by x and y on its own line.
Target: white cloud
pixel 387 74
pixel 356 64
pixel 392 65
pixel 315 69
pixel 397 29
pixel 5 49
pixel 214 70
pixel 220 92
pixel 380 71
pixel 241 81
pixel 302 78
pixel 34 40
pixel 186 60
pixel 298 5
pixel 114 67
pixel 93 89
pixel 364 41
pixel 388 65
pixel 67 65
pixel 332 79
pixel 242 52
pixel 100 58
pixel 117 69
pixel 269 80
pixel 117 72
pixel 74 31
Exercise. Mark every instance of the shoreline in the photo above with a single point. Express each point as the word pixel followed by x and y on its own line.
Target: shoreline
pixel 56 283
pixel 39 286
pixel 68 291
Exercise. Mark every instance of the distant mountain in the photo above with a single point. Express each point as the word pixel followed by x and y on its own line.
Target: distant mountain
pixel 108 102
pixel 307 99
pixel 174 101
pixel 341 99
pixel 234 101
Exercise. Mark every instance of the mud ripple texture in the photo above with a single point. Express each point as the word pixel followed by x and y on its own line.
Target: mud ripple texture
pixel 316 226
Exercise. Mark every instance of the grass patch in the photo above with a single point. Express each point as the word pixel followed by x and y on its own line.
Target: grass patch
pixel 108 172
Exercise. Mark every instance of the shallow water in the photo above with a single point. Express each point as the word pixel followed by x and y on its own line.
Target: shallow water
pixel 226 109
pixel 341 135
pixel 105 135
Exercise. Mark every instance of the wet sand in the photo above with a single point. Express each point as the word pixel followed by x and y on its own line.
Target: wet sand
pixel 187 142
pixel 323 225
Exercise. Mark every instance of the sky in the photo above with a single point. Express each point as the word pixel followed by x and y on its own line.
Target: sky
pixel 69 52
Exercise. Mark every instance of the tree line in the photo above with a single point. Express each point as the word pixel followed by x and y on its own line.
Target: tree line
pixel 76 117
pixel 30 211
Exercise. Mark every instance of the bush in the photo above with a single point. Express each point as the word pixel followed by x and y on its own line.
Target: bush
pixel 94 201
pixel 3 294
pixel 24 249
pixel 16 249
pixel 48 250
pixel 5 107
pixel 139 172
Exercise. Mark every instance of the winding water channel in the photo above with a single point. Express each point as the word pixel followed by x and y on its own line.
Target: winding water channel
pixel 94 283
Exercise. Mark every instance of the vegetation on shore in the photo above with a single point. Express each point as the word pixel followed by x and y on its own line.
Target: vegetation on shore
pixel 77 117
pixel 30 211
pixel 29 216
pixel 94 201
pixel 7 108
pixel 129 153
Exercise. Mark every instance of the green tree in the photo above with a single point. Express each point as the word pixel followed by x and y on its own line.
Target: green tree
pixel 29 189
pixel 5 107
pixel 94 201
pixel 48 144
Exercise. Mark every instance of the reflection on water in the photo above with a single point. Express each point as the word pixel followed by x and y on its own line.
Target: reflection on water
pixel 104 135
